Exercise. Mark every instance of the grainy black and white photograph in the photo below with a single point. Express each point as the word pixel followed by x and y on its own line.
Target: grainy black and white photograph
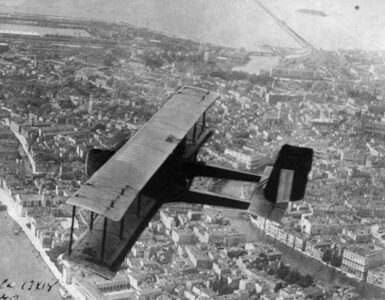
pixel 192 149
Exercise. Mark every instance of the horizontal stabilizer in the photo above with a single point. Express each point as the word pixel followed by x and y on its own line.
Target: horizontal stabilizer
pixel 209 198
pixel 206 170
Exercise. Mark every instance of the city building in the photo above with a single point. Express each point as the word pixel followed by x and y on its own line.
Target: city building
pixel 167 219
pixel 316 247
pixel 248 159
pixel 358 259
pixel 183 237
pixel 272 228
pixel 358 235
pixel 198 258
pixel 314 225
pixel 376 276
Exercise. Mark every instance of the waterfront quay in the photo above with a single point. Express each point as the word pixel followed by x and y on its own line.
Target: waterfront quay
pixel 22 266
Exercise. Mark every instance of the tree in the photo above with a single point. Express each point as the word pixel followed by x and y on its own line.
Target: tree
pixel 152 61
pixel 326 257
pixel 236 252
pixel 305 281
pixel 262 258
pixel 67 103
pixel 278 286
pixel 108 60
pixel 216 285
pixel 270 271
pixel 100 126
pixel 292 277
pixel 259 267
pixel 282 271
pixel 336 260
pixel 218 147
pixel 240 142
pixel 243 134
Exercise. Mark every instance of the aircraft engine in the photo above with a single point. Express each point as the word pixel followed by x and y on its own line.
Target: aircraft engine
pixel 95 159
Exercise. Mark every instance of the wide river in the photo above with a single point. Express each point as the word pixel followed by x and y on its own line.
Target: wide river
pixel 236 23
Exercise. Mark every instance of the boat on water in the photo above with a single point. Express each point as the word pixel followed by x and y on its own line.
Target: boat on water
pixel 64 294
pixel 16 229
pixel 313 12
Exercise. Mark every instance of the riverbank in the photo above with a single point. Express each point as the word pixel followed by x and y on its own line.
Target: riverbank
pixel 258 64
pixel 317 269
pixel 21 264
pixel 17 262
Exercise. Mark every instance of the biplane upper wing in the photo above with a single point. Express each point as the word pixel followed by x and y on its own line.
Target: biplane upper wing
pixel 114 187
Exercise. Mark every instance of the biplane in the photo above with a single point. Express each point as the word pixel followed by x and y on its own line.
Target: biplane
pixel 129 183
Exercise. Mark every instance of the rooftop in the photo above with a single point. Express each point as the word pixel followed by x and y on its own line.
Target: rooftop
pixel 365 249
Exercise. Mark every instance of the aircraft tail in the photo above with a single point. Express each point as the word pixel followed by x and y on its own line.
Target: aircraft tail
pixel 281 183
pixel 288 177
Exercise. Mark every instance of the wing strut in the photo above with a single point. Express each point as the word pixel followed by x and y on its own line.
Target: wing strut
pixel 103 239
pixel 121 228
pixel 72 228
pixel 91 220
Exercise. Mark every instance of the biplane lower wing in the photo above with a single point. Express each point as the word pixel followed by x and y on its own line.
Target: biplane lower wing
pixel 103 248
